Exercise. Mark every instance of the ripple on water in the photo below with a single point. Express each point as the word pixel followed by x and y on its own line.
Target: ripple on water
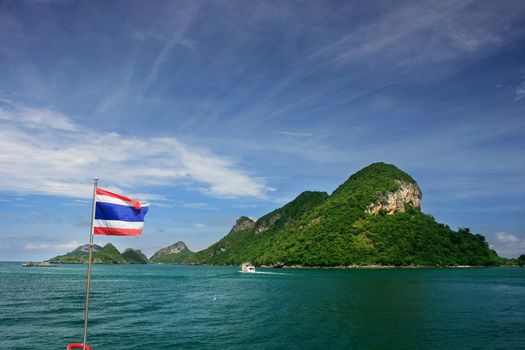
pixel 199 307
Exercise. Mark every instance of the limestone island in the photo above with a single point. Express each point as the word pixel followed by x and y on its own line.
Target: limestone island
pixel 373 219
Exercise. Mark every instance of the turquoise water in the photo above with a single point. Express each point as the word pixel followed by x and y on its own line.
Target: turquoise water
pixel 198 307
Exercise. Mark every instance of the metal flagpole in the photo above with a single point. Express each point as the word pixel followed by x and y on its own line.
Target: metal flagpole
pixel 95 183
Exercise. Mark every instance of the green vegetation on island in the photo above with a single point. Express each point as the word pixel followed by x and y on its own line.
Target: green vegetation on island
pixel 101 255
pixel 77 256
pixel 109 255
pixel 177 253
pixel 134 256
pixel 373 218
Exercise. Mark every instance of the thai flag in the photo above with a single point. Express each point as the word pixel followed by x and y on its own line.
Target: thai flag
pixel 116 215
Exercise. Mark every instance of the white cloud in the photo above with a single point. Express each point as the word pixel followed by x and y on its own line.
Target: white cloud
pixel 507 244
pixel 45 152
pixel 36 118
pixel 413 37
pixel 70 245
pixel 198 205
pixel 199 225
pixel 506 237
pixel 180 25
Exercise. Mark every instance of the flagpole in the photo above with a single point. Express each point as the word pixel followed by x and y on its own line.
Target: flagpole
pixel 95 183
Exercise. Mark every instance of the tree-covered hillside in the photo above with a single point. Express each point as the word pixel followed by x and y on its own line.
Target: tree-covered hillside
pixel 101 255
pixel 174 254
pixel 248 239
pixel 109 255
pixel 134 256
pixel 78 256
pixel 371 219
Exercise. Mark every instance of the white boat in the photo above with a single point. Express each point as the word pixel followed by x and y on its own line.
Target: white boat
pixel 247 267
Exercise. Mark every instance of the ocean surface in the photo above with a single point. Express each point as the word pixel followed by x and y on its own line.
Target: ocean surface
pixel 201 307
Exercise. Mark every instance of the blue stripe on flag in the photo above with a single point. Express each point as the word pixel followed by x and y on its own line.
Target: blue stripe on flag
pixel 109 211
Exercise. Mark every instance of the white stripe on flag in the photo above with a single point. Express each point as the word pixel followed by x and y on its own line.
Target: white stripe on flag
pixel 107 199
pixel 118 224
pixel 112 200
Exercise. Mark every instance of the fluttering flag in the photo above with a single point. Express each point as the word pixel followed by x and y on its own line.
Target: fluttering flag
pixel 116 215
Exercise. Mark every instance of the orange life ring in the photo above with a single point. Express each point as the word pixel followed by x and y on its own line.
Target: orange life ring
pixel 77 346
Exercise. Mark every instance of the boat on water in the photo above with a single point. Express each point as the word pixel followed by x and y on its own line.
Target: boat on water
pixel 247 267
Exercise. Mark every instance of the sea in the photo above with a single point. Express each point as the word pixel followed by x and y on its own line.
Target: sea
pixel 204 307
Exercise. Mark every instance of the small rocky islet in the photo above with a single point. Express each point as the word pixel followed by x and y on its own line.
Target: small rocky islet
pixel 372 219
pixel 107 254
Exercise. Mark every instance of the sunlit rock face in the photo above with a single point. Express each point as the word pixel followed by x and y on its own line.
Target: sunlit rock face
pixel 394 202
pixel 172 249
pixel 243 223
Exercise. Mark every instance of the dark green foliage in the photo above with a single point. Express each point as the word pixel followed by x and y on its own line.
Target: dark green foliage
pixel 174 254
pixel 320 230
pixel 133 256
pixel 109 255
pixel 253 238
pixel 413 238
pixel 292 211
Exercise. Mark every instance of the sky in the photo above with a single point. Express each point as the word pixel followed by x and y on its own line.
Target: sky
pixel 211 110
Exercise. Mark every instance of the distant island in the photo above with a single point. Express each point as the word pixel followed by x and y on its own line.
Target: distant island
pixel 372 219
pixel 177 253
pixel 101 255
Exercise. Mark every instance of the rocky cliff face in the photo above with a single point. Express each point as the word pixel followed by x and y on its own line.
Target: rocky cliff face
pixel 84 249
pixel 264 226
pixel 79 255
pixel 172 249
pixel 174 254
pixel 243 223
pixel 394 202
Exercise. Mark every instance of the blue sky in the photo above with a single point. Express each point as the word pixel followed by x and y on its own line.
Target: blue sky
pixel 213 110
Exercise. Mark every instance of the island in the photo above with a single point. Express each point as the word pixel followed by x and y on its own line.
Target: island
pixel 373 219
pixel 108 254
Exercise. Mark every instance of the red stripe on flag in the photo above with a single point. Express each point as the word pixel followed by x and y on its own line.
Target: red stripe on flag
pixel 102 192
pixel 117 231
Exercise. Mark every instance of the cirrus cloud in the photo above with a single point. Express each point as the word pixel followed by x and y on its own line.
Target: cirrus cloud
pixel 70 245
pixel 46 152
